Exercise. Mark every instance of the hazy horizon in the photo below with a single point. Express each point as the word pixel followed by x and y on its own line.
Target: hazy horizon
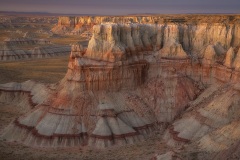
pixel 122 7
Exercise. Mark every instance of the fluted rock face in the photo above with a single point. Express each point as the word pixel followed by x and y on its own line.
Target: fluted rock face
pixel 116 42
pixel 171 45
pixel 105 44
pixel 77 25
pixel 134 79
pixel 192 33
pixel 197 36
pixel 171 40
pixel 66 21
pixel 236 62
pixel 209 56
pixel 127 112
pixel 236 35
pixel 230 55
pixel 211 124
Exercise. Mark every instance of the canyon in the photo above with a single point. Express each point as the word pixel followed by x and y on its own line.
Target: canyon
pixel 138 78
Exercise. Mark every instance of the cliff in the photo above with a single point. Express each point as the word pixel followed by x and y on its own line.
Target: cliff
pixel 135 79
pixel 84 25
pixel 192 32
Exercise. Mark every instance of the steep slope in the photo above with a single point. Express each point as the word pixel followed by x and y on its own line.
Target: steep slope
pixel 78 25
pixel 135 79
pixel 95 104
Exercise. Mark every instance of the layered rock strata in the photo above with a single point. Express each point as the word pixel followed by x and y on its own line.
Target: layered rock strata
pixel 12 53
pixel 191 37
pixel 194 29
pixel 102 98
pixel 25 21
pixel 25 41
pixel 26 95
pixel 134 79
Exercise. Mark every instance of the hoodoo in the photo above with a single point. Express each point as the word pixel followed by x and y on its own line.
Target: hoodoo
pixel 135 79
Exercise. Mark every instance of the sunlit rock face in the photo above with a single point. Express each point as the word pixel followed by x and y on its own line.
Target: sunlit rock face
pixel 171 45
pixel 135 79
pixel 128 42
pixel 229 58
pixel 189 34
pixel 78 25
pixel 112 94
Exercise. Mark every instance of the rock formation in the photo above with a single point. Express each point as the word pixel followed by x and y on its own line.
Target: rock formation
pixel 106 94
pixel 191 38
pixel 209 55
pixel 236 61
pixel 229 58
pixel 171 45
pixel 14 52
pixel 9 53
pixel 195 30
pixel 27 94
pixel 135 79
pixel 17 21
pixel 25 41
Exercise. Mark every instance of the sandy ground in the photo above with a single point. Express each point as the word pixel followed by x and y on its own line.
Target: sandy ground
pixel 51 71
pixel 48 70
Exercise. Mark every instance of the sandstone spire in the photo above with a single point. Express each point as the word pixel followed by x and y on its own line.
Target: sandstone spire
pixel 236 62
pixel 209 55
pixel 229 58
pixel 171 46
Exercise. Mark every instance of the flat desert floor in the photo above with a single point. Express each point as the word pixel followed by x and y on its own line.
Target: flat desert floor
pixel 52 70
pixel 47 70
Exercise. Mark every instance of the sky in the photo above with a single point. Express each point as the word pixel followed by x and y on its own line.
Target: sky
pixel 121 7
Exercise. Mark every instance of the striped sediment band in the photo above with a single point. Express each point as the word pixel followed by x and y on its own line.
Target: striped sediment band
pixel 114 136
pixel 175 135
pixel 35 132
pixel 21 91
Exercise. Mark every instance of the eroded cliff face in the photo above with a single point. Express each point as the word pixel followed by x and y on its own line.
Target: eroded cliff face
pixel 190 33
pixel 194 29
pixel 135 79
pixel 116 42
pixel 146 19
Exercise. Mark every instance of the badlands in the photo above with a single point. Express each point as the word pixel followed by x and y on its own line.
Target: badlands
pixel 145 87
